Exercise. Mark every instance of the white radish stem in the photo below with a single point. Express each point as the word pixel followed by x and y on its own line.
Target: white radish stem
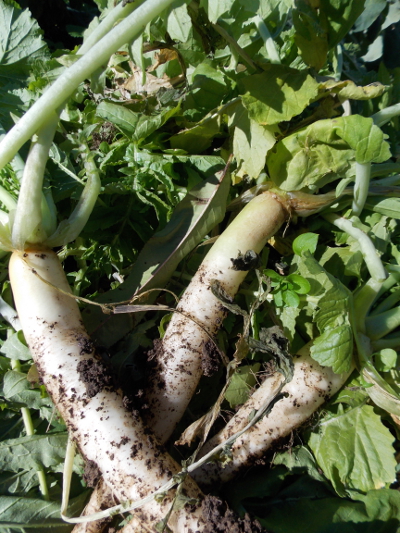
pixel 131 461
pixel 185 344
pixel 310 387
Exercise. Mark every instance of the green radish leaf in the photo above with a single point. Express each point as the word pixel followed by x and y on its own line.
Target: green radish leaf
pixel 179 24
pixel 310 37
pixel 209 87
pixel 366 139
pixel 299 459
pixel 348 90
pixel 354 450
pixel 201 209
pixel 305 242
pixel 291 298
pixel 275 277
pixel 216 8
pixel 325 151
pixel 19 483
pixel 242 381
pixel 371 12
pixel 385 360
pixel 21 44
pixel 378 510
pixel 289 93
pixel 320 27
pixel 333 307
pixel 34 451
pixel 334 348
pixel 251 143
pixel 15 347
pixel 125 119
pixel 300 284
pixel 197 139
pixel 27 514
pixel 389 207
pixel 17 390
pixel 146 125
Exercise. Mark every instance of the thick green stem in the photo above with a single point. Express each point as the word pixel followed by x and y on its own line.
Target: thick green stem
pixel 69 229
pixel 28 217
pixel 269 42
pixel 363 301
pixel 387 303
pixel 361 187
pixel 380 325
pixel 55 96
pixel 385 115
pixel 119 12
pixel 371 258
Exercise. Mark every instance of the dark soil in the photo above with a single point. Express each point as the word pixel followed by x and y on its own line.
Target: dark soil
pixel 95 376
pixel 220 519
pixel 210 359
pixel 92 474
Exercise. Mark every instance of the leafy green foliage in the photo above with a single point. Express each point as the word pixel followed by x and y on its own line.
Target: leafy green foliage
pixel 354 449
pixel 324 151
pixel 289 93
pixel 241 383
pixel 321 25
pixel 287 288
pixel 265 81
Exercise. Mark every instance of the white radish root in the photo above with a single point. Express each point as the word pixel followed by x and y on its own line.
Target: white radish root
pixel 132 463
pixel 185 344
pixel 310 387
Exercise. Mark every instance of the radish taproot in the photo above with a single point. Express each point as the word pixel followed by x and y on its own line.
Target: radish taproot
pixel 200 313
pixel 107 434
pixel 310 387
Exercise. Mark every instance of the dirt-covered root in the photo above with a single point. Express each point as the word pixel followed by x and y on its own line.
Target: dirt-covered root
pixel 310 387
pixel 109 436
pixel 180 358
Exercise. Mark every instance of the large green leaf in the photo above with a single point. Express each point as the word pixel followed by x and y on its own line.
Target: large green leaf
pixel 322 25
pixel 251 143
pixel 334 348
pixel 311 36
pixel 27 514
pixel 366 139
pixel 331 311
pixel 354 449
pixel 34 452
pixel 179 23
pixel 14 348
pixel 325 151
pixel 21 44
pixel 18 391
pixel 376 512
pixel 216 8
pixel 280 93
